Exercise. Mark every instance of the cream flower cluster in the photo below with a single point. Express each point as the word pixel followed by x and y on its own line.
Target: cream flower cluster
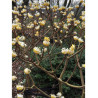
pixel 16 25
pixel 46 41
pixel 56 25
pixel 37 14
pixel 76 22
pixel 14 78
pixel 30 25
pixel 19 87
pixel 19 40
pixel 58 95
pixel 30 15
pixel 27 71
pixel 42 23
pixel 36 50
pixel 80 40
pixel 68 51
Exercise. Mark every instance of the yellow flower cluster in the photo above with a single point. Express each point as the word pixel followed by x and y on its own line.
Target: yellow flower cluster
pixel 19 87
pixel 23 11
pixel 46 41
pixel 76 22
pixel 61 8
pixel 30 25
pixel 80 40
pixel 36 50
pixel 19 40
pixel 37 33
pixel 68 51
pixel 56 25
pixel 27 71
pixel 30 15
pixel 46 3
pixel 42 23
pixel 37 14
pixel 14 78
pixel 16 25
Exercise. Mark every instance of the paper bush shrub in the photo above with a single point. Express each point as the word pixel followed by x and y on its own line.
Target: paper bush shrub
pixel 49 41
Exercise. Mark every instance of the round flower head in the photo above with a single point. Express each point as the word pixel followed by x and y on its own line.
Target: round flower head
pixel 46 43
pixel 36 50
pixel 65 26
pixel 35 22
pixel 23 10
pixel 18 28
pixel 65 51
pixel 22 44
pixel 30 15
pixel 75 38
pixel 25 6
pixel 40 18
pixel 14 78
pixel 46 39
pixel 19 87
pixel 42 23
pixel 37 14
pixel 80 40
pixel 59 94
pixel 61 31
pixel 27 71
pixel 19 96
pixel 37 33
pixel 37 27
pixel 76 22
